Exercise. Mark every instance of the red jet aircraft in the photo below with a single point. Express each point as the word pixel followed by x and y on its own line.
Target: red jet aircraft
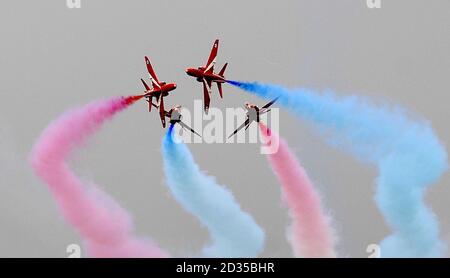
pixel 159 91
pixel 206 75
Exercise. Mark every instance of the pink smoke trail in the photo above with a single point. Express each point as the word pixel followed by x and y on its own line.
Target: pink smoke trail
pixel 105 227
pixel 310 234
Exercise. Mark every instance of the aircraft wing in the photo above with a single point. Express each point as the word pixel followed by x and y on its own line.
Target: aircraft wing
pixel 245 124
pixel 206 93
pixel 188 128
pixel 212 57
pixel 166 113
pixel 270 103
pixel 162 114
pixel 152 73
pixel 147 88
pixel 265 109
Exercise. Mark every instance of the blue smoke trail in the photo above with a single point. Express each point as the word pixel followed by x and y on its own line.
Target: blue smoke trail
pixel 234 232
pixel 407 154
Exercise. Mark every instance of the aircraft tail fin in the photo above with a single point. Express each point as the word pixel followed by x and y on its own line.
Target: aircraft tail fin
pixel 222 71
